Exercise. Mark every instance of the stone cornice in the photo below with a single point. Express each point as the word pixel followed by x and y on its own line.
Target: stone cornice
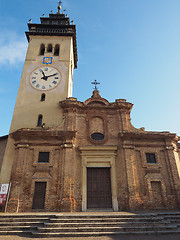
pixel 96 103
pixel 148 135
pixel 29 135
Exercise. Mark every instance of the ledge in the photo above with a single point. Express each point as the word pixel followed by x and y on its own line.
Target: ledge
pixel 148 135
pixel 26 135
pixel 98 148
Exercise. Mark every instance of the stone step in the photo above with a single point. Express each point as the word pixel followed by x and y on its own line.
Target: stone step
pixel 84 215
pixel 27 215
pixel 116 215
pixel 8 228
pixel 22 223
pixel 90 234
pixel 167 213
pixel 24 219
pixel 104 216
pixel 17 232
pixel 67 220
pixel 105 224
pixel 105 229
pixel 172 217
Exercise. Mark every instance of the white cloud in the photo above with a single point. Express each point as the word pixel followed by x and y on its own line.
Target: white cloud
pixel 12 48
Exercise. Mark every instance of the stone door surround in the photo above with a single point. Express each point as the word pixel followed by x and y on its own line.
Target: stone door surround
pixel 98 156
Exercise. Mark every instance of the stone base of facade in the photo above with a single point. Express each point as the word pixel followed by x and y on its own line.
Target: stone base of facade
pixel 136 203
pixel 15 205
pixel 68 205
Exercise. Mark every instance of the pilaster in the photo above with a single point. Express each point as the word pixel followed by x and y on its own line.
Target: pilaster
pixel 68 203
pixel 174 169
pixel 135 201
pixel 18 176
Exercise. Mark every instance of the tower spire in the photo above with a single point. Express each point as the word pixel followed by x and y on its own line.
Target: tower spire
pixel 59 7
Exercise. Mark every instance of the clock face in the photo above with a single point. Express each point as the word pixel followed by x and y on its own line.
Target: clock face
pixel 45 78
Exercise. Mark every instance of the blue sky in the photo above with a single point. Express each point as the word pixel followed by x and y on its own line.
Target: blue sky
pixel 132 47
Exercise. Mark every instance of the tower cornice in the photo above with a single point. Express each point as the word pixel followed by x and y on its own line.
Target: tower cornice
pixel 54 25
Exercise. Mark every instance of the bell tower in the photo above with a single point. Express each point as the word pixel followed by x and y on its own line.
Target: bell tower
pixel 47 78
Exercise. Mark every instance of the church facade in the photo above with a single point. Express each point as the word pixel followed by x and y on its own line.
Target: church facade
pixel 70 156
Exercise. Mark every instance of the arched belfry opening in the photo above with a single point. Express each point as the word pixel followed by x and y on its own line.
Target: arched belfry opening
pixel 49 48
pixel 56 50
pixel 42 49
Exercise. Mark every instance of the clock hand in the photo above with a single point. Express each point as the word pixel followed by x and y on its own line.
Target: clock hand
pixel 51 75
pixel 44 76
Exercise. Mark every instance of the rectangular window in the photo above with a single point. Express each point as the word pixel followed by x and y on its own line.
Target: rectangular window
pixel 151 158
pixel 43 157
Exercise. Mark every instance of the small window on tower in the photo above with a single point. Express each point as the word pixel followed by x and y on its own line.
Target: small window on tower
pixel 43 96
pixel 43 157
pixel 42 49
pixel 49 49
pixel 151 158
pixel 56 50
pixel 39 123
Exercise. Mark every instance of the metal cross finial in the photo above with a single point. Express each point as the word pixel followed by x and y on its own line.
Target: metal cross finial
pixel 60 2
pixel 95 83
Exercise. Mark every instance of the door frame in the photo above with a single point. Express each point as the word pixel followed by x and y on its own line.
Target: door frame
pixel 100 157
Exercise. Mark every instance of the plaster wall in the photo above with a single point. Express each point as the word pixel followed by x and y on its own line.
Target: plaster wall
pixel 28 105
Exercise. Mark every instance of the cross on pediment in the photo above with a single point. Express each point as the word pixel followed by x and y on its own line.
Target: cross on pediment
pixel 95 84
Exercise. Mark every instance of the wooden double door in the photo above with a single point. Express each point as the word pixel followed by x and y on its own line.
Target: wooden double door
pixel 99 188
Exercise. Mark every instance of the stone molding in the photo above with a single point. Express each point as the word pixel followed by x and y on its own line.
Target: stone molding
pixel 148 135
pixel 96 103
pixel 27 137
pixel 99 156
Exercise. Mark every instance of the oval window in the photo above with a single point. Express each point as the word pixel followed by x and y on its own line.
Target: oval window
pixel 97 136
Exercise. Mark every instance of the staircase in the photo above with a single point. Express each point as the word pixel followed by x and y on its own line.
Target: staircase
pixel 20 224
pixel 88 224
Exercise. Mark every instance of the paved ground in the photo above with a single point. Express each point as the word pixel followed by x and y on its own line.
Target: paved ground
pixel 135 237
